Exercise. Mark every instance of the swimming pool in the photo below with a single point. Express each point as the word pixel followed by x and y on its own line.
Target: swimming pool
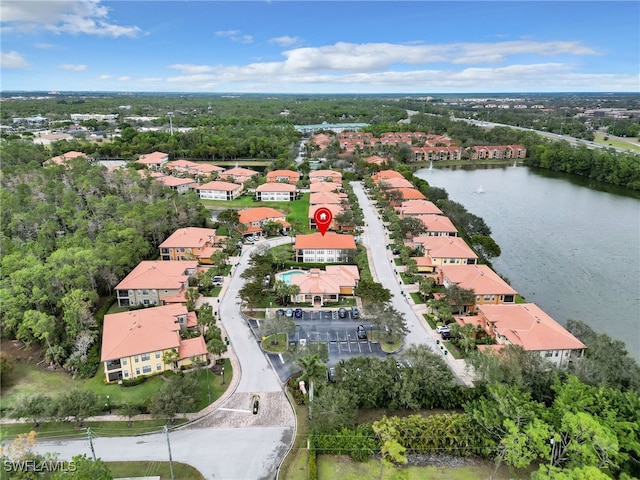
pixel 286 276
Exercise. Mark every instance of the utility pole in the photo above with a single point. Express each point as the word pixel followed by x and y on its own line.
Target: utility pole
pixel 93 452
pixel 166 431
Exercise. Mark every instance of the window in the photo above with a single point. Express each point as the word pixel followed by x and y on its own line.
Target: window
pixel 124 361
pixel 145 357
pixel 158 366
pixel 146 369
pixel 145 292
pixel 487 298
pixel 548 354
pixel 137 371
pixel 126 374
pixel 157 354
pixel 136 358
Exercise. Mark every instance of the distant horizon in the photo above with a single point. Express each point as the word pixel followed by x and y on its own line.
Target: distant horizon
pixel 320 47
pixel 420 94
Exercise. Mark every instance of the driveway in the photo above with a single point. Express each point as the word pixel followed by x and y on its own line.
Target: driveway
pixel 383 270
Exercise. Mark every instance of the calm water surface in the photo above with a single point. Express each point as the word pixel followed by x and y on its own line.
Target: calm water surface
pixel 573 250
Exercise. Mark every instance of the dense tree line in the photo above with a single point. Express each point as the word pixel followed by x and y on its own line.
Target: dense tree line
pixel 607 166
pixel 69 235
pixel 522 412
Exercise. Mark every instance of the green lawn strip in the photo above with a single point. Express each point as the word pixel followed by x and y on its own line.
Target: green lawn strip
pixel 295 464
pixel 215 387
pixel 342 467
pixel 104 429
pixel 615 142
pixel 280 345
pixel 429 319
pixel 161 469
pixel 453 350
pixel 417 298
pixel 119 394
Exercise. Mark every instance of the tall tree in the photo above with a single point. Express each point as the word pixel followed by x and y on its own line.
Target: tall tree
pixel 312 369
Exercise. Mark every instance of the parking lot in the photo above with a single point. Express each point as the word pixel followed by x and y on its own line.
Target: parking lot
pixel 339 334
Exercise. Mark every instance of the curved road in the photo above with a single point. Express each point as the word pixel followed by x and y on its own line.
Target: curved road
pixel 230 443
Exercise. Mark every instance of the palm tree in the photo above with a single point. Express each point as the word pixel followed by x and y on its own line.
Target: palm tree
pixel 312 369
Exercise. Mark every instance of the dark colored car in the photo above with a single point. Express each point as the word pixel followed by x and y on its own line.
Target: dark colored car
pixel 342 312
pixel 355 313
pixel 298 313
pixel 361 332
pixel 280 312
pixel 331 374
pixel 446 335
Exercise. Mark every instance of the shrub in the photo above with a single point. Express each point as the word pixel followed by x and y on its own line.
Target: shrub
pixel 134 381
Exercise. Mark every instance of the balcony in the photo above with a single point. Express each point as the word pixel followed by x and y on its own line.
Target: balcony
pixel 114 365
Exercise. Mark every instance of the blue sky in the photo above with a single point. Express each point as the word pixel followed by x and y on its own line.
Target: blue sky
pixel 320 47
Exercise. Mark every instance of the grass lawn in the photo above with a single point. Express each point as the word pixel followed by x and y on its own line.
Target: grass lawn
pixel 70 430
pixel 417 298
pixel 147 469
pixel 295 464
pixel 429 319
pixel 331 467
pixel 616 142
pixel 453 350
pixel 280 346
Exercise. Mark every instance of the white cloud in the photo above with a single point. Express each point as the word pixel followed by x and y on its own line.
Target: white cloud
pixel 73 17
pixel 191 69
pixel 104 77
pixel 73 68
pixel 12 60
pixel 285 41
pixel 234 35
pixel 44 46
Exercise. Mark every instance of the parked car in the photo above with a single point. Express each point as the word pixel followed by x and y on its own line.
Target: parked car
pixel 355 313
pixel 443 328
pixel 331 374
pixel 446 334
pixel 298 313
pixel 342 312
pixel 395 251
pixel 218 281
pixel 280 312
pixel 361 332
pixel 289 313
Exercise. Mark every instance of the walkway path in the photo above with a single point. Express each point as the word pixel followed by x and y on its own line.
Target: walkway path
pixel 383 269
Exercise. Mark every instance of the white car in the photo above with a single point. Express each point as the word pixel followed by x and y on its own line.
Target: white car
pixel 443 328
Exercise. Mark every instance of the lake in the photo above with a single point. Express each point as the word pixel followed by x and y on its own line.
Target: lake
pixel 571 249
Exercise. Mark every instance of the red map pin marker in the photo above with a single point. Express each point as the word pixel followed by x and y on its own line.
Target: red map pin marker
pixel 323 218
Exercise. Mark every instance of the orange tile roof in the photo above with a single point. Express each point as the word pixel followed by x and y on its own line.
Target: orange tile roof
pixel 158 274
pixel 181 164
pixel 219 186
pixel 317 187
pixel 375 159
pixel 207 168
pixel 170 181
pixel 329 281
pixel 189 237
pixel 480 278
pixel 411 194
pixel 192 347
pixel 385 175
pixel 153 158
pixel 331 241
pixel 437 223
pixel 445 247
pixel 418 207
pixel 239 171
pixel 275 174
pixel 317 198
pixel 276 187
pixel 320 174
pixel 527 325
pixel 141 331
pixel 259 214
pixel 65 157
pixel 334 209
pixel 395 183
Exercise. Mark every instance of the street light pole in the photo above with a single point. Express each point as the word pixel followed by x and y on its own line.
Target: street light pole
pixel 222 375
pixel 108 405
